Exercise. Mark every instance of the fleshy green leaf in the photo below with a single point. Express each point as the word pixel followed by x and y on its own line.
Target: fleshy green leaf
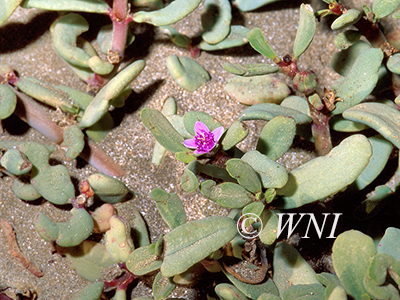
pixel 258 42
pixel 244 174
pixel 360 81
pixel 162 130
pixel 191 242
pixel 143 261
pixel 189 181
pixel 89 292
pixel 381 117
pixel 272 174
pixel 276 137
pixel 7 8
pixel 326 175
pixel 236 133
pixel 250 69
pixel 306 30
pixel 101 102
pixel 390 242
pixel 350 17
pixel 191 117
pixel 268 111
pixel 162 287
pixel 248 5
pixel 382 8
pixel 235 38
pixel 393 63
pixel 259 89
pixel 351 255
pixel 226 194
pixel 216 19
pixel 229 292
pixel 91 6
pixel 65 32
pixel 285 274
pixel 176 10
pixel 343 61
pixel 346 39
pixel 381 150
pixel 188 73
pixel 8 101
pixel 170 207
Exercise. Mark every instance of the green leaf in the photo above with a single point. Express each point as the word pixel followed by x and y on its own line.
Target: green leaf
pixel 227 291
pixel 248 5
pixel 253 291
pixel 360 81
pixel 272 174
pixel 191 117
pixel 257 89
pixel 258 42
pixel 236 133
pixel 382 8
pixel 7 8
pixel 186 72
pixel 290 269
pixel 8 101
pixel 343 61
pixel 269 232
pixel 244 174
pixel 236 38
pixel 216 19
pixel 162 130
pixel 346 39
pixel 175 11
pixel 170 207
pixel 381 117
pixel 276 137
pixel 250 69
pixel 100 104
pixel 326 175
pixel 65 32
pixel 393 63
pixel 381 150
pixel 390 242
pixel 191 242
pixel 89 292
pixel 351 255
pixel 268 111
pixel 73 141
pixel 304 291
pixel 226 194
pixel 177 38
pixel 91 6
pixel 107 188
pixel 349 18
pixel 306 30
pixel 88 259
pixel 162 287
pixel 189 181
pixel 338 123
pixel 143 261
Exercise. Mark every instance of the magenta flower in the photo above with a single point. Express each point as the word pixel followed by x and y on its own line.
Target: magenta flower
pixel 204 140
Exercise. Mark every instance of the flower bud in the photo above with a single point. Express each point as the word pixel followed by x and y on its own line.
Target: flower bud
pixel 305 82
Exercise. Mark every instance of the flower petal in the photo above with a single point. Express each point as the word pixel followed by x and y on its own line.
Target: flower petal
pixel 218 132
pixel 199 152
pixel 200 127
pixel 190 143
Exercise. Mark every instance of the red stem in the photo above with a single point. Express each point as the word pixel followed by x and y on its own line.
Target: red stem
pixel 30 112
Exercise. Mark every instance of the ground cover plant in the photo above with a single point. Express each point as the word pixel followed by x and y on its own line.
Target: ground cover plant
pixel 339 205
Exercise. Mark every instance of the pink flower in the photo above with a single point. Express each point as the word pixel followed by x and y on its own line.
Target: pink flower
pixel 204 140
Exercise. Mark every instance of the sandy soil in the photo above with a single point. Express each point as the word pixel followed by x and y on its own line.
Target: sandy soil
pixel 25 44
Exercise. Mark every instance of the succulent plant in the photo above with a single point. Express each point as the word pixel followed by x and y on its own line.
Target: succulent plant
pixel 353 125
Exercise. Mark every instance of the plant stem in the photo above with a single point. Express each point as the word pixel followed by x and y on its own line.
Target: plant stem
pixel 30 112
pixel 121 19
pixel 320 131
